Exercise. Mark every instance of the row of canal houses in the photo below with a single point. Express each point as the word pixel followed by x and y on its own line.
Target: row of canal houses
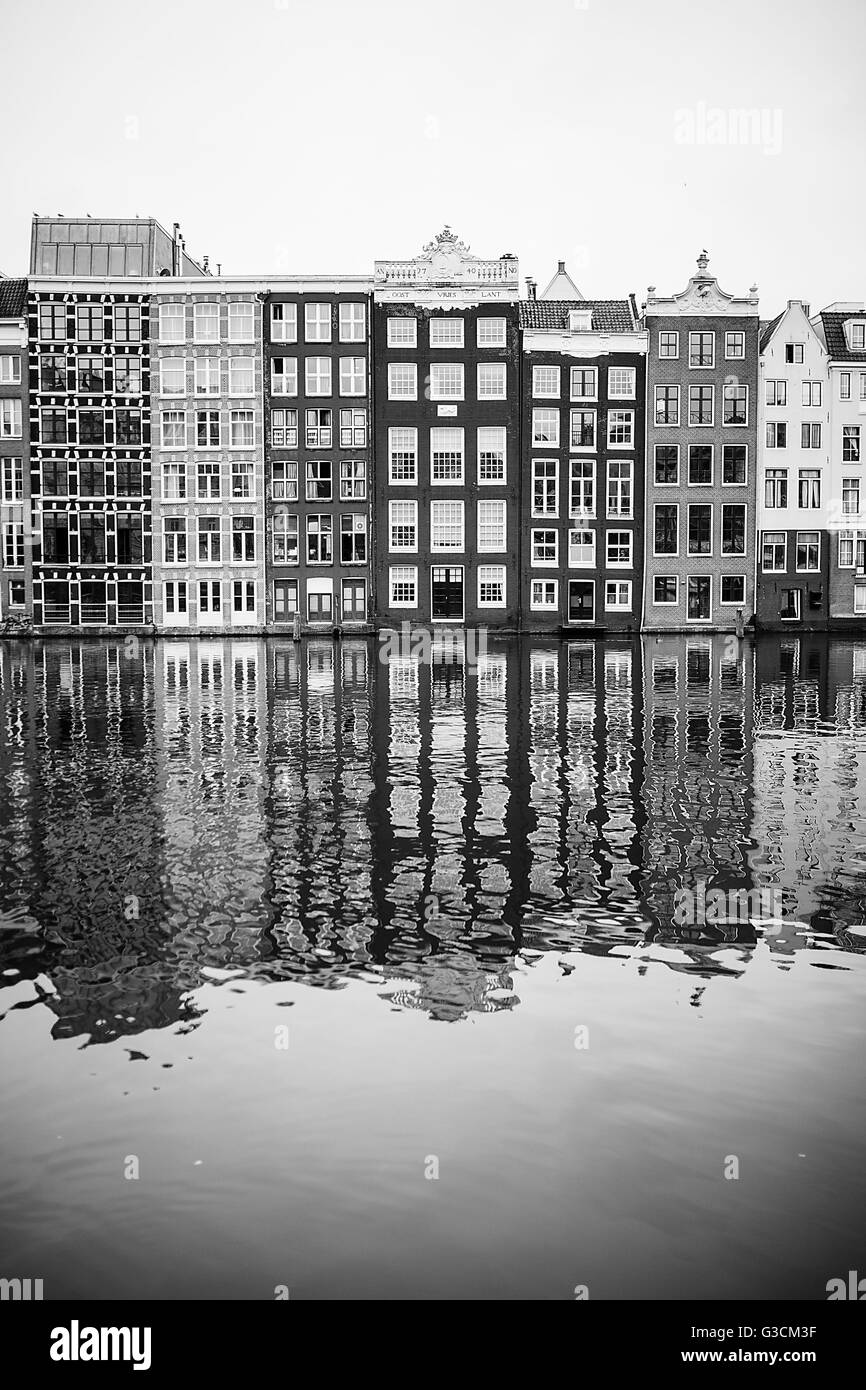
pixel 194 452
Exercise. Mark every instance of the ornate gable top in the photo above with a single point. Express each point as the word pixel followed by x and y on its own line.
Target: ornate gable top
pixel 703 295
pixel 447 261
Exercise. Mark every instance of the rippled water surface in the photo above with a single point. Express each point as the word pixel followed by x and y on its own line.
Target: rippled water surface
pixel 289 930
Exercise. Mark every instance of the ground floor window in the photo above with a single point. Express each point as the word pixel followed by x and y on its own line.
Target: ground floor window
pixel 545 594
pixel 733 588
pixel 581 601
pixel 698 604
pixel 320 607
pixel 666 588
pixel 790 605
pixel 244 598
pixel 491 586
pixel 285 599
pixel 354 600
pixel 174 599
pixel 617 595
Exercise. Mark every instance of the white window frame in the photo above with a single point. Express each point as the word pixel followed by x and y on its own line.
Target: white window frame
pixel 411 445
pixel 440 338
pixel 399 324
pixel 485 573
pixel 487 373
pixel 403 513
pixel 549 602
pixel 618 585
pixel 538 371
pixel 407 370
pixel 402 574
pixel 485 507
pixel 456 509
pixel 284 328
pixel 352 321
pixel 495 340
pixel 317 377
pixel 483 447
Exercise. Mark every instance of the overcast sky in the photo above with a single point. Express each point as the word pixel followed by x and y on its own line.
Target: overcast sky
pixel 314 136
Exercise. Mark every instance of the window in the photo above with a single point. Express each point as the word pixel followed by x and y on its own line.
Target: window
pixel 666 529
pixel 353 376
pixel 285 538
pixel 403 455
pixel 584 384
pixel 545 547
pixel 242 381
pixel 734 464
pixel 284 376
pixel 735 344
pixel 620 383
pixel 127 323
pixel 353 480
pixel 91 426
pixel 91 477
pixel 857 336
pixel 243 596
pixel 702 349
pixel 860 598
pixel 446 381
pixel 207 429
pixel 544 594
pixel 318 376
pixel 490 332
pixel 318 428
pixel 545 426
pixel 669 344
pixel 206 322
pixel 208 480
pixel 284 323
pixel 667 464
pixel 13 545
pixel 810 436
pixel 173 323
pixel 52 322
pixel 172 376
pixel 851 496
pixel 320 539
pixel 700 465
pixel 491 381
pixel 733 528
pixel 353 322
pixel 128 479
pixel 863 386
pixel 698 597
pixel 850 443
pixel 55 538
pixel 55 478
pixel 809 494
pixel 808 550
pixel 353 428
pixel 777 435
pixel 735 402
pixel 353 538
pixel 210 596
pixel 446 526
pixel 620 429
pixel 666 588
pixel 243 479
pixel 13 480
pixel 581 499
pixel 285 598
pixel 173 429
pixel 207 376
pixel 491 586
pixel 243 540
pixel 174 540
pixel 52 423
pixel 284 480
pixel 52 373
pixel 701 405
pixel 582 429
pixel 320 487
pixel 773 552
pixel 733 588
pixel 242 429
pixel 846 549
pixel 811 393
pixel 446 456
pixel 491 527
pixel 317 323
pixel 91 538
pixel 619 549
pixel 127 376
pixel 545 487
pixel 581 549
pixel 91 375
pixel 545 382
pixel 491 453
pixel 402 332
pixel 700 528
pixel 793 352
pixel 777 393
pixel 403 380
pixel 776 487
pixel 403 585
pixel 617 595
pixel 174 598
pixel 667 405
pixel 10 422
pixel 284 429
pixel 403 525
pixel 173 481
pixel 446 332
pixel 89 323
pixel 619 487
pixel 242 322
pixel 844 386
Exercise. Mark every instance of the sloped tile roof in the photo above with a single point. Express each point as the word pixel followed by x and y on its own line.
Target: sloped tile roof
pixel 608 315
pixel 13 299
pixel 767 331
pixel 834 335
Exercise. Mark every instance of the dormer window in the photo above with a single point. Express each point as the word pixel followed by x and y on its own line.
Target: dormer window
pixel 857 335
pixel 580 320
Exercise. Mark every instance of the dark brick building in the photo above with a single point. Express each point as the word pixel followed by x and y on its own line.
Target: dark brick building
pixel 15 547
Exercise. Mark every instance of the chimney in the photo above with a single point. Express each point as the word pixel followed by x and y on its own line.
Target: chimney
pixel 530 287
pixel 562 267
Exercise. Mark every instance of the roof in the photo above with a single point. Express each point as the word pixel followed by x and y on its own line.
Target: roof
pixel 834 334
pixel 768 329
pixel 561 286
pixel 13 299
pixel 608 315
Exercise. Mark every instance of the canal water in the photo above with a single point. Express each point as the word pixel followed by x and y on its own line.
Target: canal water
pixel 497 978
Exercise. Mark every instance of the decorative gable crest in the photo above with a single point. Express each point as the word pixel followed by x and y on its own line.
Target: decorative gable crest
pixel 703 295
pixel 444 264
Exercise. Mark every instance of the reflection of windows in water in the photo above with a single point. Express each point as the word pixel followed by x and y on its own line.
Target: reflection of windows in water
pixel 697 666
pixel 581 666
pixel 664 730
pixel 731 673
pixel 617 671
pixel 697 731
pixel 789 663
pixel 664 675
pixel 732 734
